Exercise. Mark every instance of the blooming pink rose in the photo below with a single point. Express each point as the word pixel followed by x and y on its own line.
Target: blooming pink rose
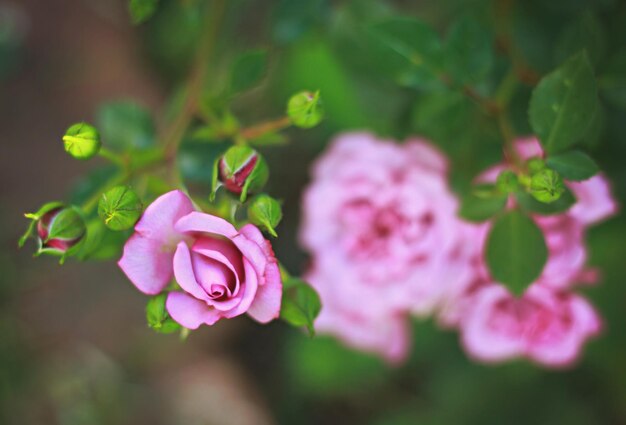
pixel 545 326
pixel 379 220
pixel 222 272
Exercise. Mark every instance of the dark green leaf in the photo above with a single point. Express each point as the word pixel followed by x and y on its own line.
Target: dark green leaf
pixel 573 165
pixel 248 70
pixel 415 48
pixel 300 305
pixel 562 106
pixel 157 316
pixel 125 125
pixel 530 204
pixel 469 53
pixel 142 10
pixel 477 207
pixel 612 81
pixel 516 251
pixel 585 33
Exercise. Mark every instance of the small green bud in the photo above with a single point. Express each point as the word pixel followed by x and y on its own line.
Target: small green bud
pixel 305 109
pixel 546 186
pixel 82 141
pixel 59 230
pixel 157 316
pixel 507 182
pixel 120 208
pixel 534 165
pixel 241 170
pixel 265 211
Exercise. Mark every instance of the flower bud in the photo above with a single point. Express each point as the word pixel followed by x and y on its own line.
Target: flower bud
pixel 240 170
pixel 82 141
pixel 265 211
pixel 535 165
pixel 58 229
pixel 305 109
pixel 507 182
pixel 546 186
pixel 120 208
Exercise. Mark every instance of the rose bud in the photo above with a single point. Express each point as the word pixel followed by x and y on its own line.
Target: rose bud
pixel 120 208
pixel 241 170
pixel 58 229
pixel 82 141
pixel 546 186
pixel 305 109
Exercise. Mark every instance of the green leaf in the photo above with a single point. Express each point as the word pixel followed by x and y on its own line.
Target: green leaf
pixel 157 316
pixel 532 205
pixel 247 70
pixel 120 207
pixel 573 165
pixel 482 203
pixel 415 50
pixel 469 53
pixel 563 104
pixel 125 125
pixel 142 10
pixel 516 251
pixel 300 305
pixel 265 211
pixel 101 243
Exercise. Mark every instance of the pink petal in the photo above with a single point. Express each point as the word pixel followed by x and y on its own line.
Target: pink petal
pixel 594 201
pixel 146 264
pixel 184 272
pixel 159 218
pixel 266 304
pixel 189 311
pixel 253 253
pixel 206 223
pixel 249 288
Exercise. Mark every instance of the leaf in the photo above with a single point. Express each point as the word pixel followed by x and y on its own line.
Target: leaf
pixel 516 251
pixel 125 125
pixel 612 81
pixel 573 165
pixel 477 208
pixel 415 50
pixel 157 316
pixel 265 211
pixel 142 10
pixel 585 33
pixel 248 70
pixel 563 104
pixel 530 204
pixel 469 53
pixel 300 305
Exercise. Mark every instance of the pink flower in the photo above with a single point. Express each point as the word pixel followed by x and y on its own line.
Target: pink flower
pixel 379 220
pixel 547 327
pixel 222 272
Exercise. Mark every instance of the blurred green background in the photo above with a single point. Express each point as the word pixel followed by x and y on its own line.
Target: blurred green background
pixel 74 347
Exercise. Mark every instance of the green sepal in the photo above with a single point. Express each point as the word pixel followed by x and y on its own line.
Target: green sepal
pixel 266 212
pixel 300 304
pixel 546 186
pixel 305 109
pixel 157 316
pixel 33 217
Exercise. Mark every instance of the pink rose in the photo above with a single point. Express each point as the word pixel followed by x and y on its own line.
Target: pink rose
pixel 547 327
pixel 222 272
pixel 380 222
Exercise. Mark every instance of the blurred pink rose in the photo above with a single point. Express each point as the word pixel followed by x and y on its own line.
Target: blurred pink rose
pixel 380 223
pixel 547 327
pixel 222 272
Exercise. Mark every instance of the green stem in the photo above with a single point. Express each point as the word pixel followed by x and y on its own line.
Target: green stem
pixel 265 127
pixel 112 156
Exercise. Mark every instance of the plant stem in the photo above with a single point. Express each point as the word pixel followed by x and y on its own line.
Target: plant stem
pixel 112 156
pixel 265 127
pixel 174 133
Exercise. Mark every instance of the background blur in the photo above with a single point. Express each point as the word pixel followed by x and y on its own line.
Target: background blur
pixel 74 347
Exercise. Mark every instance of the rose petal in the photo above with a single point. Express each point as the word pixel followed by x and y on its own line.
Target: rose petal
pixel 266 304
pixel 189 311
pixel 201 222
pixel 249 288
pixel 146 264
pixel 157 221
pixel 253 253
pixel 184 272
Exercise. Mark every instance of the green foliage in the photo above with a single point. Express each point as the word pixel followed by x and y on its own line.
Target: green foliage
pixel 142 10
pixel 482 203
pixel 414 55
pixel 532 205
pixel 305 109
pixel 507 182
pixel 612 80
pixel 101 243
pixel 563 104
pixel 248 70
pixel 585 33
pixel 300 304
pixel 120 207
pixel 291 20
pixel 157 317
pixel 516 251
pixel 546 186
pixel 468 52
pixel 125 125
pixel 82 141
pixel 266 212
pixel 573 165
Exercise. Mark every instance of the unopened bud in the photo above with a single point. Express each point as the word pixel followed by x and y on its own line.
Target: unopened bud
pixel 265 211
pixel 241 170
pixel 120 208
pixel 507 182
pixel 59 230
pixel 82 141
pixel 305 109
pixel 546 186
